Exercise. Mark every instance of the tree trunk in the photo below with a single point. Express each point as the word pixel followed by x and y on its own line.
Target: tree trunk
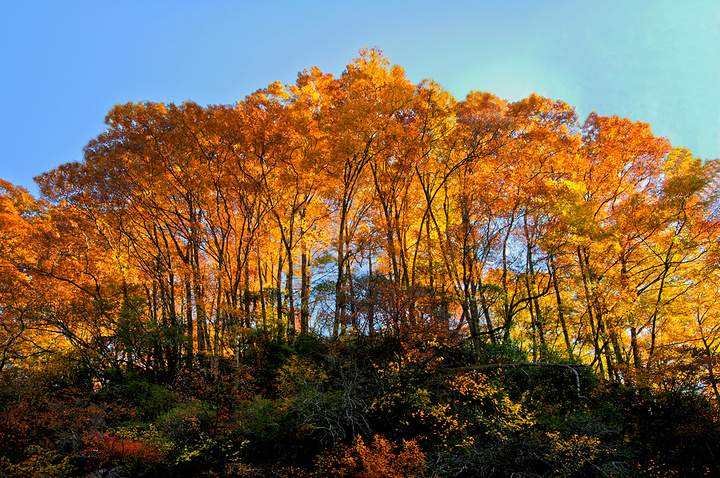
pixel 200 311
pixel 339 283
pixel 290 291
pixel 561 314
pixel 305 279
pixel 189 341
pixel 279 291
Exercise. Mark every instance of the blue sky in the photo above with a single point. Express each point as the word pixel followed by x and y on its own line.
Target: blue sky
pixel 64 65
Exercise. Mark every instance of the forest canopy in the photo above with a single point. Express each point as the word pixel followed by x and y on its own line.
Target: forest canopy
pixel 364 209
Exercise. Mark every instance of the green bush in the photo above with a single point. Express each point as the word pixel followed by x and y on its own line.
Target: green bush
pixel 134 391
pixel 186 423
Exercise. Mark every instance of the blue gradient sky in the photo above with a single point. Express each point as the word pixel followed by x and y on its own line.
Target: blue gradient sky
pixel 65 64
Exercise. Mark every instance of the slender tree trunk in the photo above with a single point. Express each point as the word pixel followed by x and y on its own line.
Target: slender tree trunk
pixel 290 292
pixel 305 279
pixel 637 362
pixel 531 286
pixel 247 298
pixel 304 295
pixel 279 289
pixel 561 314
pixel 348 297
pixel 658 300
pixel 589 307
pixel 261 286
pixel 533 321
pixel 339 283
pixel 167 309
pixel 200 311
pixel 371 294
pixel 609 336
pixel 189 341
pixel 475 317
pixel 217 326
pixel 486 314
pixel 390 237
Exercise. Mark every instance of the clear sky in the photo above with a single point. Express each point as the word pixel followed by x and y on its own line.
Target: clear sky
pixel 65 64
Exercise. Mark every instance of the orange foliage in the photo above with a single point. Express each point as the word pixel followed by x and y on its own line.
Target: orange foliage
pixel 382 459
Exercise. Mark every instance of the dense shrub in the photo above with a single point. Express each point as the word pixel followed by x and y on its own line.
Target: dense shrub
pixel 313 407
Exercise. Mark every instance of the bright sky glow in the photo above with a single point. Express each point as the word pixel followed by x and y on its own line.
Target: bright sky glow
pixel 64 65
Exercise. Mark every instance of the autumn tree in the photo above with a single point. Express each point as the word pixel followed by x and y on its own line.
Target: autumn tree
pixel 505 221
pixel 21 300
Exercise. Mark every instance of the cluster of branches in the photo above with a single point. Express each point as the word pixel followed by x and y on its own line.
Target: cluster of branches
pixel 364 205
